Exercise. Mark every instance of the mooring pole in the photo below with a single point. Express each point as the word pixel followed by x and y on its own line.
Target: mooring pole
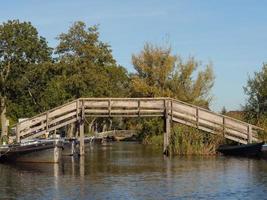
pixel 81 129
pixel 167 127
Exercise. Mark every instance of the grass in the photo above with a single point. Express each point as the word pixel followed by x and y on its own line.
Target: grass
pixel 188 141
pixel 191 141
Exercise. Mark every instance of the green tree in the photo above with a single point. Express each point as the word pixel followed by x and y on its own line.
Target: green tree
pixel 89 66
pixel 83 67
pixel 20 46
pixel 160 73
pixel 256 90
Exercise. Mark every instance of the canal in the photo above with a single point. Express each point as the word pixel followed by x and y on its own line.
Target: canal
pixel 135 171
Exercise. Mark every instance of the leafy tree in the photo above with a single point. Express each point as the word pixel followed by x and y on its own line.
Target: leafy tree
pixel 256 90
pixel 20 46
pixel 89 67
pixel 159 73
pixel 84 67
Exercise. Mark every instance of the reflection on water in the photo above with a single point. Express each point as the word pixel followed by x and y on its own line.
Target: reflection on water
pixel 135 171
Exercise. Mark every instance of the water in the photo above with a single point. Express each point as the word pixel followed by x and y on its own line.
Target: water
pixel 135 171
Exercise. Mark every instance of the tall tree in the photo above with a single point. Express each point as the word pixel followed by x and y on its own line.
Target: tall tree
pixel 83 67
pixel 90 67
pixel 160 73
pixel 256 90
pixel 20 46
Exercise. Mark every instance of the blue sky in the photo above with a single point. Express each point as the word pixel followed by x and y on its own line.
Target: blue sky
pixel 232 34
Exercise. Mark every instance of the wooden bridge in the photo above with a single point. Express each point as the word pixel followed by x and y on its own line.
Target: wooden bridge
pixel 170 109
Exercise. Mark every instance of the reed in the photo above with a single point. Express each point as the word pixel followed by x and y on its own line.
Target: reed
pixel 156 140
pixel 262 122
pixel 184 140
pixel 191 141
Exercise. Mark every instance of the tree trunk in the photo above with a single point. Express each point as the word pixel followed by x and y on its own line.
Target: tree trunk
pixel 3 117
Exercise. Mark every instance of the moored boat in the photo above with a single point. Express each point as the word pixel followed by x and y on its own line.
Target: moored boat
pixel 247 150
pixel 48 150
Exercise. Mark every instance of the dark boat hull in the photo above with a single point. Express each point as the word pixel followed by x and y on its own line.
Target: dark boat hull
pixel 247 150
pixel 40 151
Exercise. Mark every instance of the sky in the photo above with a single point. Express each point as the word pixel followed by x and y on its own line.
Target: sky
pixel 232 34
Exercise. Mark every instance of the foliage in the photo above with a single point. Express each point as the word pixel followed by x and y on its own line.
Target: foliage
pixel 88 64
pixel 256 90
pixel 156 140
pixel 191 141
pixel 159 73
pixel 150 127
pixel 20 47
pixel 83 66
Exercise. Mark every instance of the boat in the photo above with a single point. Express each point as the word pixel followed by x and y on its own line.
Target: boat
pixel 246 150
pixel 39 150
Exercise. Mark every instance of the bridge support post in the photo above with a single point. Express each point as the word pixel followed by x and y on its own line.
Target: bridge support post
pixel 167 130
pixel 81 130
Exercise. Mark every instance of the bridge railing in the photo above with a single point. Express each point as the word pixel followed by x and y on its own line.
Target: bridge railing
pixel 179 112
pixel 209 121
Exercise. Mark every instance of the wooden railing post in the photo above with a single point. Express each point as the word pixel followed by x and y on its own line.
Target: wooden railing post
pixel 249 133
pixel 81 129
pixel 17 133
pixel 172 111
pixel 77 109
pixel 171 123
pixel 47 121
pixel 166 128
pixel 197 117
pixel 77 117
pixel 109 107
pixel 138 107
pixel 223 126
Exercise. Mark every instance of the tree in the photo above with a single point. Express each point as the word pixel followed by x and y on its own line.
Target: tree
pixel 159 73
pixel 223 111
pixel 83 66
pixel 20 46
pixel 256 90
pixel 89 67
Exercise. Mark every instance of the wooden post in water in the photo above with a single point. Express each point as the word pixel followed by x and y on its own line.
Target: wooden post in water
pixel 81 129
pixel 167 127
